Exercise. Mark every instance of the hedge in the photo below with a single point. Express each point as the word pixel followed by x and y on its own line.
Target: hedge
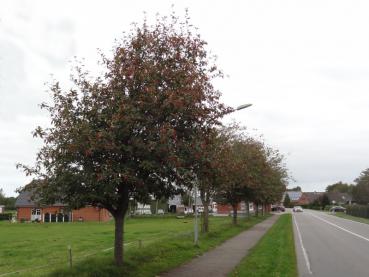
pixel 358 210
pixel 5 216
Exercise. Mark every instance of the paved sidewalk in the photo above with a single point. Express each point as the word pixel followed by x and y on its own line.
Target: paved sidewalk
pixel 223 259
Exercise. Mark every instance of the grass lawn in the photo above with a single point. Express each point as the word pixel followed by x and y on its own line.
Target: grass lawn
pixel 166 243
pixel 354 218
pixel 274 255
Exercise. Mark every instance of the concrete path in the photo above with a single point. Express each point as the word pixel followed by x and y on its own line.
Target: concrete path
pixel 223 259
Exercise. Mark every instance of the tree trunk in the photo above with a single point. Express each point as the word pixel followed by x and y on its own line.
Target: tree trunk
pixel 205 221
pixel 234 214
pixel 257 209
pixel 118 243
pixel 205 215
pixel 262 209
pixel 248 209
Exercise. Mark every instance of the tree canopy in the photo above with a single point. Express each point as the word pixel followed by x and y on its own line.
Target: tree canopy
pixel 339 187
pixel 129 132
pixel 361 190
pixel 253 172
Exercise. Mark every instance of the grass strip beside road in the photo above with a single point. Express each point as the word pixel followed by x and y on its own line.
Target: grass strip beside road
pixel 273 255
pixel 155 256
pixel 350 217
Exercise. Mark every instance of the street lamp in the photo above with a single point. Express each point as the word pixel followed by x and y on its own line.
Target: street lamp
pixel 196 228
pixel 244 106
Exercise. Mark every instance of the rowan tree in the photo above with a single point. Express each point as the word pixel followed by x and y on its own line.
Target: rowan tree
pixel 242 162
pixel 128 133
pixel 208 169
pixel 253 172
pixel 272 181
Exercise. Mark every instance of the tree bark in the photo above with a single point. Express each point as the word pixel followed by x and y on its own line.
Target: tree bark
pixel 118 242
pixel 205 215
pixel 205 222
pixel 234 214
pixel 119 214
pixel 262 209
pixel 247 209
pixel 257 209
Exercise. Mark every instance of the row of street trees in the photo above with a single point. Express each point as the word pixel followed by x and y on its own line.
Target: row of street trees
pixel 149 126
pixel 233 167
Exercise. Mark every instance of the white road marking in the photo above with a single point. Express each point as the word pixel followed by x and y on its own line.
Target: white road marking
pixel 302 246
pixel 343 218
pixel 339 227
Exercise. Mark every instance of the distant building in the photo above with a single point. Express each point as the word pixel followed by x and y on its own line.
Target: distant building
pixel 2 208
pixel 293 195
pixel 307 198
pixel 313 196
pixel 30 210
pixel 226 209
pixel 339 198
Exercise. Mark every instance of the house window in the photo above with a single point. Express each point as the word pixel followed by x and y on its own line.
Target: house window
pixel 36 212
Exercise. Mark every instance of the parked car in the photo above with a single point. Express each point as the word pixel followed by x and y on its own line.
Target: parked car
pixel 337 209
pixel 297 209
pixel 278 209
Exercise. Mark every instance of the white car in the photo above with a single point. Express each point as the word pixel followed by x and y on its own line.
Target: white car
pixel 297 209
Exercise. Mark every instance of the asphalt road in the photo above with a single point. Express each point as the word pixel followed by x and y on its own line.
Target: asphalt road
pixel 330 246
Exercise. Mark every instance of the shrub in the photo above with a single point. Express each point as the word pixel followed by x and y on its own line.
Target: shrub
pixel 328 207
pixel 358 210
pixel 5 216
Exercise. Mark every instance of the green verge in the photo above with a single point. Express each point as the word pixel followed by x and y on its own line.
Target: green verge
pixel 274 254
pixel 166 243
pixel 159 256
pixel 350 217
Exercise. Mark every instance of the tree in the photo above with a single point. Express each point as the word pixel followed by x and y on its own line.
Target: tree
pixel 361 190
pixel 128 133
pixel 287 201
pixel 252 171
pixel 273 179
pixel 2 195
pixel 8 202
pixel 234 182
pixel 324 200
pixel 339 187
pixel 208 169
pixel 187 198
pixel 297 188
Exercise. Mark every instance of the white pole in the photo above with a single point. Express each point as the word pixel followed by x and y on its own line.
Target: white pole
pixel 196 229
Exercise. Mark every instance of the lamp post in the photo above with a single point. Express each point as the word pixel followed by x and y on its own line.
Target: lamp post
pixel 196 227
pixel 244 106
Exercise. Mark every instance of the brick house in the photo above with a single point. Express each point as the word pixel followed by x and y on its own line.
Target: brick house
pixel 226 209
pixel 29 210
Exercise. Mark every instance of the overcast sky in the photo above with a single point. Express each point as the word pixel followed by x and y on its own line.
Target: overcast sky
pixel 304 65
